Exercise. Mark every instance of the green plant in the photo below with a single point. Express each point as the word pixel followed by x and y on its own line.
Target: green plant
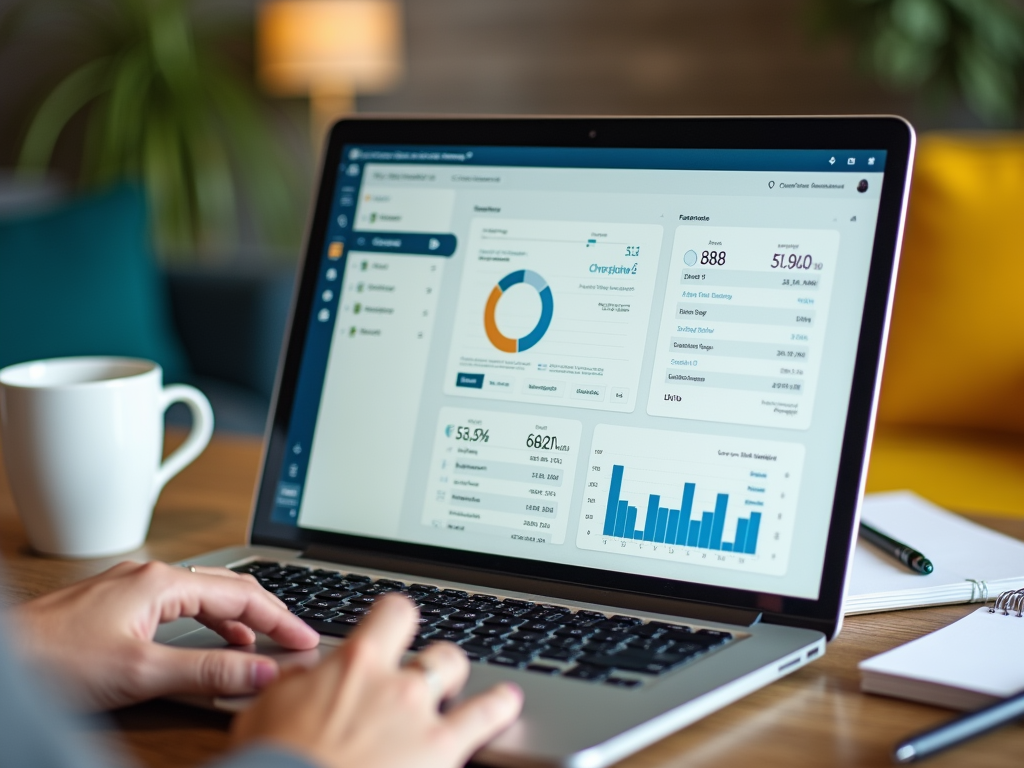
pixel 971 47
pixel 164 107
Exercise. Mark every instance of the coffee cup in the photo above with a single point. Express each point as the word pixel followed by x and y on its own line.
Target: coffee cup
pixel 82 443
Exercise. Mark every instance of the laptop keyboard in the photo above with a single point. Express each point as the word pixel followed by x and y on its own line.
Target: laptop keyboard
pixel 622 651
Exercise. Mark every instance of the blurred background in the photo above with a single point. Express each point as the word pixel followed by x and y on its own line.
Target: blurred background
pixel 199 124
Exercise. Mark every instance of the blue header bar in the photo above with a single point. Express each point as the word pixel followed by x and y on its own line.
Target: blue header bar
pixel 813 160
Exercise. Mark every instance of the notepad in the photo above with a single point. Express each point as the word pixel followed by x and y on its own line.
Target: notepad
pixel 967 665
pixel 972 562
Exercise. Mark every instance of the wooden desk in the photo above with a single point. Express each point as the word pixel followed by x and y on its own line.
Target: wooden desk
pixel 815 717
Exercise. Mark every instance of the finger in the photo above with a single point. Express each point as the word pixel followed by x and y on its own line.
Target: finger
pixel 211 599
pixel 388 628
pixel 209 672
pixel 476 721
pixel 448 662
pixel 234 632
pixel 229 574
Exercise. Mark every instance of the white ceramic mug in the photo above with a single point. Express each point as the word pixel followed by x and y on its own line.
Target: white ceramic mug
pixel 82 442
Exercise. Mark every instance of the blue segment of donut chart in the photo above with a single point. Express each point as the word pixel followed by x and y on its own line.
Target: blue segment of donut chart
pixel 547 304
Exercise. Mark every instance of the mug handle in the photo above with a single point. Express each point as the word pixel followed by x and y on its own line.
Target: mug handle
pixel 198 438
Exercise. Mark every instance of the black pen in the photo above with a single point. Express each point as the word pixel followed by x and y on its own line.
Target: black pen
pixel 909 556
pixel 920 745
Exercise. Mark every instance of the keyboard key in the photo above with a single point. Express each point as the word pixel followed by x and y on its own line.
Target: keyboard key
pixel 647 630
pixel 425 588
pixel 508 660
pixel 622 682
pixel 473 616
pixel 522 648
pixel 538 626
pixel 649 644
pixel 591 615
pixel 275 586
pixel 303 590
pixel 357 577
pixel 290 600
pixel 564 642
pixel 319 604
pixel 489 631
pixel 521 636
pixel 630 620
pixel 577 632
pixel 322 615
pixel 451 635
pixel 429 609
pixel 459 625
pixel 648 665
pixel 490 642
pixel 478 652
pixel 362 600
pixel 454 593
pixel 336 594
pixel 543 669
pixel 600 646
pixel 503 621
pixel 557 654
pixel 511 602
pixel 332 628
pixel 354 610
pixel 390 583
pixel 586 672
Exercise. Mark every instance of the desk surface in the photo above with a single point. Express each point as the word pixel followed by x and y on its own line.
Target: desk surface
pixel 816 716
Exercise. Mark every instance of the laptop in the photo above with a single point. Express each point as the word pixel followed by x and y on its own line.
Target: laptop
pixel 597 394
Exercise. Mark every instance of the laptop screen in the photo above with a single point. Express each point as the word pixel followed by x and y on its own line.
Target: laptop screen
pixel 633 360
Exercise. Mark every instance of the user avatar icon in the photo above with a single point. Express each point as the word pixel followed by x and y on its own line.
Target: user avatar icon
pixel 863 185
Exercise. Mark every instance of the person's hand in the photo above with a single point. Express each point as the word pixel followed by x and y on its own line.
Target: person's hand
pixel 97 635
pixel 359 707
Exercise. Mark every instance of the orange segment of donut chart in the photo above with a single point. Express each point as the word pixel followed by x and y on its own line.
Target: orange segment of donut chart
pixel 499 340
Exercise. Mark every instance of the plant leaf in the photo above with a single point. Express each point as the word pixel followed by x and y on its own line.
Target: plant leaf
pixel 71 94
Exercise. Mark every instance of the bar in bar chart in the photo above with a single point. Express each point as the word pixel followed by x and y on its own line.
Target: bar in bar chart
pixel 666 525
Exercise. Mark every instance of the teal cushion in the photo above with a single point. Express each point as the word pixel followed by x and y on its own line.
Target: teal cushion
pixel 81 280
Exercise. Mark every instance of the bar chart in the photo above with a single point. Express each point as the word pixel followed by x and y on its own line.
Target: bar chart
pixel 678 526
pixel 712 501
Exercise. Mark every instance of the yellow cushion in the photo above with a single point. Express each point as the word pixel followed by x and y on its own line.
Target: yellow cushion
pixel 962 470
pixel 956 348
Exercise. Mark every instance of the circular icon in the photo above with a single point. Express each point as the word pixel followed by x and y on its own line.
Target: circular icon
pixel 863 185
pixel 332 274
pixel 690 258
pixel 547 306
pixel 771 185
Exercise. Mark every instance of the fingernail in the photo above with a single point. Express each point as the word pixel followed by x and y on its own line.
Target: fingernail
pixel 263 674
pixel 515 690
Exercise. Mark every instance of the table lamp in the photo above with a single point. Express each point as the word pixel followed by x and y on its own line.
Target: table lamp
pixel 329 50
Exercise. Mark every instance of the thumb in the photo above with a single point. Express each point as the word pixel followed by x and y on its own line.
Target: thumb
pixel 212 671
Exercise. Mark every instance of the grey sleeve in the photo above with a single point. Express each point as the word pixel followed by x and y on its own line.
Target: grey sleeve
pixel 35 727
pixel 37 730
pixel 263 756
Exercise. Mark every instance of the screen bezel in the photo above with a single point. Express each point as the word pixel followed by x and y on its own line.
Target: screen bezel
pixel 891 134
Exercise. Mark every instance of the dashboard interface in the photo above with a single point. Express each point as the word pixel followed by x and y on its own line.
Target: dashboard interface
pixel 635 360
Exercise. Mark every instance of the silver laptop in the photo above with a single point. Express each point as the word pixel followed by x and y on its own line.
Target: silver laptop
pixel 596 393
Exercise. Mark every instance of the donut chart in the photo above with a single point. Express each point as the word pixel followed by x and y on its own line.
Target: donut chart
pixel 547 306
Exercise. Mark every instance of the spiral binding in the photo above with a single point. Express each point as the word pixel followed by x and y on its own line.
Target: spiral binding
pixel 1010 600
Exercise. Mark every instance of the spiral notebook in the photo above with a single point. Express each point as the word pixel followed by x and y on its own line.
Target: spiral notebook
pixel 972 563
pixel 967 665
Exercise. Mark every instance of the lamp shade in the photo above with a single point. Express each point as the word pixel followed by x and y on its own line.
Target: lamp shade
pixel 311 46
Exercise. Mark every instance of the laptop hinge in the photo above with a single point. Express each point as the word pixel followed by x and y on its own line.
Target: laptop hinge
pixel 424 569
